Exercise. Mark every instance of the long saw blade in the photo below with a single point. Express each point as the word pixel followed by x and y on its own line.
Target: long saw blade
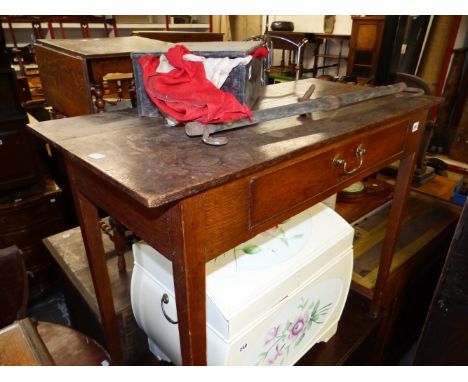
pixel 326 103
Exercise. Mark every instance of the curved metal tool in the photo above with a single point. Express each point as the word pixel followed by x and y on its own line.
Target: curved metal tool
pixel 193 129
pixel 326 103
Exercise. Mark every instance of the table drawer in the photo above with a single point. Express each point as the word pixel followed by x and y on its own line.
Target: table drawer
pixel 278 191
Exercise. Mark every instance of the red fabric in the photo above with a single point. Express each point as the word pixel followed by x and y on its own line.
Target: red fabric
pixel 185 94
pixel 260 52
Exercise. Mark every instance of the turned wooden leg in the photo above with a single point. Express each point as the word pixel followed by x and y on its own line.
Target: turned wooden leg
pixel 99 95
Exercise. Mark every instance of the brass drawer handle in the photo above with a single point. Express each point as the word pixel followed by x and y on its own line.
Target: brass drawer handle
pixel 337 162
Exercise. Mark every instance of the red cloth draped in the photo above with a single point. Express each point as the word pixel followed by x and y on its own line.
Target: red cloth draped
pixel 185 94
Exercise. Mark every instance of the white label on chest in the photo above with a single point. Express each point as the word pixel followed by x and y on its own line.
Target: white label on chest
pixel 415 127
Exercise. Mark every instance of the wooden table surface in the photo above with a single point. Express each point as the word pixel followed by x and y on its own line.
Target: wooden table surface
pixel 192 202
pixel 156 164
pixel 104 47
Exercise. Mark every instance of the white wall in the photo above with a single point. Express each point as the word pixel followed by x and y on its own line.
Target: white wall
pixel 314 23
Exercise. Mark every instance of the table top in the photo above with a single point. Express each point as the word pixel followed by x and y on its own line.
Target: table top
pixel 109 47
pixel 91 48
pixel 155 164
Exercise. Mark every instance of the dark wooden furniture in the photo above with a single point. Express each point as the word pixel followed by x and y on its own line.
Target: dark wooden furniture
pixel 21 345
pixel 18 163
pixel 68 250
pixel 325 40
pixel 173 36
pixel 70 70
pixel 26 216
pixel 25 342
pixel 37 21
pixel 192 202
pixel 364 46
pixel 13 285
pixel 444 338
pixel 455 116
pixel 426 229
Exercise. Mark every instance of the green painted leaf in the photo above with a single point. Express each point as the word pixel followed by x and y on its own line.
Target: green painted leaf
pixel 284 222
pixel 251 249
pixel 301 337
pixel 297 236
pixel 284 241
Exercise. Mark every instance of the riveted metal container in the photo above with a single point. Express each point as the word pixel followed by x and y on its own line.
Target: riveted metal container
pixel 244 81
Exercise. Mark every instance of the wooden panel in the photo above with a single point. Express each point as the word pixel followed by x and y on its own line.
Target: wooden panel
pixel 366 36
pixel 270 195
pixel 20 345
pixel 67 347
pixel 444 339
pixel 459 150
pixel 28 219
pixel 68 250
pixel 65 82
pixel 18 162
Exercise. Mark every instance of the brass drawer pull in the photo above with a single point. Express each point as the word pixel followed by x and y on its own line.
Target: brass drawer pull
pixel 337 162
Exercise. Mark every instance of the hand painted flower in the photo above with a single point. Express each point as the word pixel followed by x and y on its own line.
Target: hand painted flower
pixel 278 353
pixel 271 335
pixel 299 325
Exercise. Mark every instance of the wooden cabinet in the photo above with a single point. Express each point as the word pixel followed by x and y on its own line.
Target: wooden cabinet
pixel 18 166
pixel 69 69
pixel 364 46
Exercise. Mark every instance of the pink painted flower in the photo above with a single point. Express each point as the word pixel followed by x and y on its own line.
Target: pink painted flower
pixel 299 325
pixel 271 335
pixel 278 353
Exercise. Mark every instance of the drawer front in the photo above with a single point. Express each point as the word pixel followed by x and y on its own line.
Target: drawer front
pixel 30 215
pixel 30 241
pixel 278 191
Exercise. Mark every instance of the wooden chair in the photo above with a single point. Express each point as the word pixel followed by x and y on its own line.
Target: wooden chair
pixel 291 67
pixel 66 346
pixel 115 88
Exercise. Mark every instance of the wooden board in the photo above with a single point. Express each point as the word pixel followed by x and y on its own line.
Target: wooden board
pixel 424 220
pixel 68 250
pixel 21 345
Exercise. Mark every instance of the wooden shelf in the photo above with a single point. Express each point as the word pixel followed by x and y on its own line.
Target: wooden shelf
pixel 68 250
pixel 425 219
pixel 376 193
